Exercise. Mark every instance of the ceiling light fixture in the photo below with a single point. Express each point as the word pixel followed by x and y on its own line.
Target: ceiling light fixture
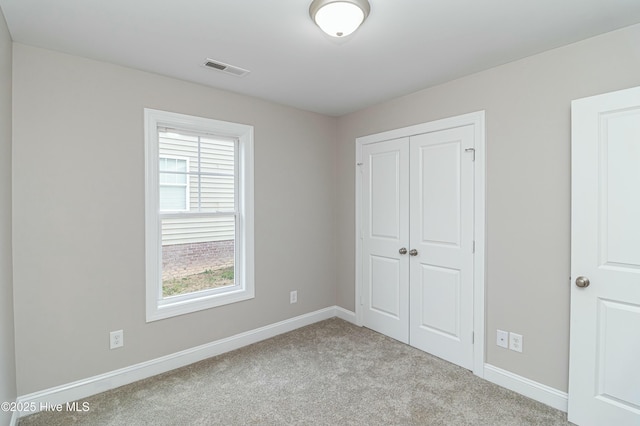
pixel 339 18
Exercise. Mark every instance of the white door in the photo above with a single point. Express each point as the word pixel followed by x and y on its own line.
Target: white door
pixel 441 212
pixel 604 367
pixel 417 241
pixel 385 228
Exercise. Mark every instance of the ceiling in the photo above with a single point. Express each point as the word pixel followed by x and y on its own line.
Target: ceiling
pixel 404 46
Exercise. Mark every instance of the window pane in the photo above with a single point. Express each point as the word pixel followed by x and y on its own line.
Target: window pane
pixel 217 156
pixel 177 145
pixel 177 167
pixel 173 179
pixel 173 198
pixel 166 178
pixel 217 194
pixel 197 254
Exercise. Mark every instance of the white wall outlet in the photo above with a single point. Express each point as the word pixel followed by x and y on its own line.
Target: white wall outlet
pixel 116 339
pixel 293 296
pixel 502 339
pixel 515 342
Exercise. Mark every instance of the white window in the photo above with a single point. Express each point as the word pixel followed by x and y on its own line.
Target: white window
pixel 199 213
pixel 174 184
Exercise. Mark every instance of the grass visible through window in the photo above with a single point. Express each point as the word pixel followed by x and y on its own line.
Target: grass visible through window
pixel 211 278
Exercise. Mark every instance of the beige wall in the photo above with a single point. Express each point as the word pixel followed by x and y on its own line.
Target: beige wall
pixel 79 211
pixel 79 215
pixel 7 360
pixel 527 106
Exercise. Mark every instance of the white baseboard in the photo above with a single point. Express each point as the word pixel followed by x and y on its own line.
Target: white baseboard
pixel 14 418
pixel 346 315
pixel 111 380
pixel 534 390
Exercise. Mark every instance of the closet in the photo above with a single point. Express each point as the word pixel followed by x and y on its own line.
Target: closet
pixel 417 238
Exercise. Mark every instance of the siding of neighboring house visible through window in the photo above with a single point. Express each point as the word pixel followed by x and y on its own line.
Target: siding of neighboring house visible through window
pixel 218 191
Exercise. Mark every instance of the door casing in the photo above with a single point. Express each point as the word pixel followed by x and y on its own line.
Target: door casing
pixel 477 120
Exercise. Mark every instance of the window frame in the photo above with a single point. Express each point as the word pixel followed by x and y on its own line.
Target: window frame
pixel 158 307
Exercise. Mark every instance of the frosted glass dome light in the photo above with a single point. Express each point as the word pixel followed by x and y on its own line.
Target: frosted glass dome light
pixel 339 18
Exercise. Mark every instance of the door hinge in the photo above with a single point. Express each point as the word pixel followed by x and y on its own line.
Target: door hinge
pixel 473 247
pixel 473 150
pixel 473 337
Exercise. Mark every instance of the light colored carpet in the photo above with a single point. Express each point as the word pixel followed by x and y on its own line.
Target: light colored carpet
pixel 329 373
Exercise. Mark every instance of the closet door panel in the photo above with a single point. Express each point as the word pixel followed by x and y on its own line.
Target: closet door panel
pixel 385 230
pixel 441 233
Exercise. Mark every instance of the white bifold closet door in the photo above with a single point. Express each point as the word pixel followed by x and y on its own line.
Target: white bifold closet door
pixel 417 241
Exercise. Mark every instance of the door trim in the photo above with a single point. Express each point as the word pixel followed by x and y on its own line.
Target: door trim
pixel 477 120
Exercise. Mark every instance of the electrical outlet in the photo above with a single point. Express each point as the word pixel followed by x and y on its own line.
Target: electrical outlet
pixel 502 339
pixel 293 296
pixel 515 342
pixel 116 339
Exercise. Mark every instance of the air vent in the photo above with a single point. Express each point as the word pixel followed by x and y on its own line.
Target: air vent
pixel 226 68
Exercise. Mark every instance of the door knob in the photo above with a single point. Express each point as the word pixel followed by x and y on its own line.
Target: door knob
pixel 582 282
pixel 403 250
pixel 413 252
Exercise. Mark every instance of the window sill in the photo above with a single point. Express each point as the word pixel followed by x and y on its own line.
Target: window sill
pixel 167 308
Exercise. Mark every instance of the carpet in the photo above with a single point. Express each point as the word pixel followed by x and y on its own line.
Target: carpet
pixel 328 373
